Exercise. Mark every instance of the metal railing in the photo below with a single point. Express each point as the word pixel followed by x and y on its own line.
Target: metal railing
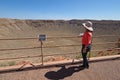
pixel 38 47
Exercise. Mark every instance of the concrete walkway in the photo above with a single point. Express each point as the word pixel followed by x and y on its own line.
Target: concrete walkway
pixel 102 70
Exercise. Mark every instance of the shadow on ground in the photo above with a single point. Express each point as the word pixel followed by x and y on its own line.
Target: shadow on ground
pixel 62 72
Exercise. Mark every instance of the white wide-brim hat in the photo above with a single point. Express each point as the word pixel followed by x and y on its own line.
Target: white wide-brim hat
pixel 88 25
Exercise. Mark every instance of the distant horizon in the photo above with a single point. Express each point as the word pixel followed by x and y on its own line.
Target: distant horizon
pixel 62 19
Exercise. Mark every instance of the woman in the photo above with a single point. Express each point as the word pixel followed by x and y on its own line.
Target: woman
pixel 86 42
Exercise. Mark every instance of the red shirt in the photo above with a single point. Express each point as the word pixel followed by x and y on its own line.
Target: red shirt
pixel 87 38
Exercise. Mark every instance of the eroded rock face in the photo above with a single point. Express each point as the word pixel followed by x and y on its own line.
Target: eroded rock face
pixel 14 28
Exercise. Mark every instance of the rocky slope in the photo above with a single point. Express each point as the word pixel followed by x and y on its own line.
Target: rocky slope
pixel 30 28
pixel 14 28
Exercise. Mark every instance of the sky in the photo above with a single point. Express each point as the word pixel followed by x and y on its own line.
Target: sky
pixel 60 9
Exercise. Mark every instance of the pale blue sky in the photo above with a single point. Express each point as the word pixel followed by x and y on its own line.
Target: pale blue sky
pixel 60 9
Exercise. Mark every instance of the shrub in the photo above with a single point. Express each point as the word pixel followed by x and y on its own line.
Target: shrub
pixel 11 63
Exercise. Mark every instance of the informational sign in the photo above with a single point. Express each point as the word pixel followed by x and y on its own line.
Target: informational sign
pixel 42 37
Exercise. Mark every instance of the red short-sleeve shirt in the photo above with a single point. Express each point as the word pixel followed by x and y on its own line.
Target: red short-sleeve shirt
pixel 87 38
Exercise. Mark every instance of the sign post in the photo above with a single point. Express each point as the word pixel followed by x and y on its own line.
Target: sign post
pixel 41 39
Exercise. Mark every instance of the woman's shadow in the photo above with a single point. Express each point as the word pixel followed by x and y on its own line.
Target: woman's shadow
pixel 63 72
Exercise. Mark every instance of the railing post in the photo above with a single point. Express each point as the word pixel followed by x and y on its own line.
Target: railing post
pixel 42 37
pixel 41 51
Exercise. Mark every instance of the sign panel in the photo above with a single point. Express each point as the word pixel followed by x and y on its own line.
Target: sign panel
pixel 42 37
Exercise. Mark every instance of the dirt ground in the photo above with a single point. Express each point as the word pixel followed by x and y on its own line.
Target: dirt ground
pixel 103 70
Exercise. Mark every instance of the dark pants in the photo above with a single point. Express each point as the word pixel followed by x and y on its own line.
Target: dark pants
pixel 84 55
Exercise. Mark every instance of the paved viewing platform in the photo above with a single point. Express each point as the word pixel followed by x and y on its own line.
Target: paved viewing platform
pixel 98 70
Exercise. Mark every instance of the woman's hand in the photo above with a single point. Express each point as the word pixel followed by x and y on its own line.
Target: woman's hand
pixel 84 50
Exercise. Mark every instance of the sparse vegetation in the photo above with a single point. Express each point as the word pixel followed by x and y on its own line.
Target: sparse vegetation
pixel 9 63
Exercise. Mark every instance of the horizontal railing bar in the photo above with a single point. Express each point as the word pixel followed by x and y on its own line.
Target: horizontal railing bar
pixel 62 54
pixel 105 43
pixel 58 45
pixel 106 36
pixel 58 54
pixel 60 37
pixel 53 46
pixel 19 49
pixel 105 49
pixel 18 38
pixel 20 57
pixel 63 37
pixel 36 56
